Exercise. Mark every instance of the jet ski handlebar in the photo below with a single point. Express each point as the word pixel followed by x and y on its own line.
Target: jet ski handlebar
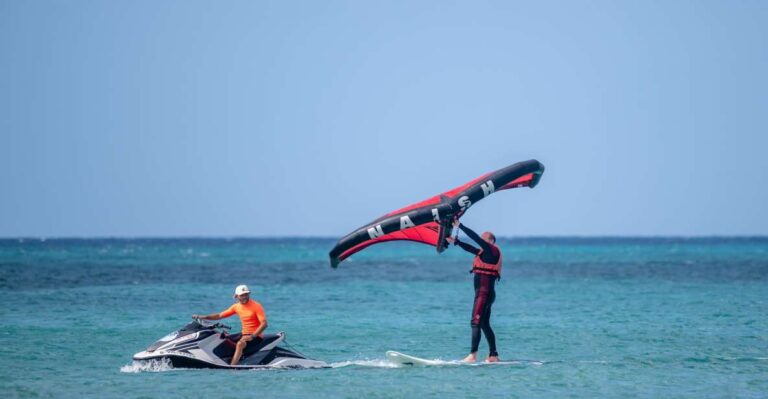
pixel 213 325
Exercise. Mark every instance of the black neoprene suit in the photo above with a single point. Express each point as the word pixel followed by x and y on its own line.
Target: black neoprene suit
pixel 485 291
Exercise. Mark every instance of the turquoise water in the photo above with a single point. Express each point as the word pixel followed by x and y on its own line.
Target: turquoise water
pixel 605 317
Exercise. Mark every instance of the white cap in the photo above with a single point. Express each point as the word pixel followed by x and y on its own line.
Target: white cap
pixel 242 289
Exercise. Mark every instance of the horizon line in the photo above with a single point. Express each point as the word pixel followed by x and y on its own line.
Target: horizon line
pixel 266 237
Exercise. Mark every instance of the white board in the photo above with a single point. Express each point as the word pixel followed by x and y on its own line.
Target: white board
pixel 408 360
pixel 401 359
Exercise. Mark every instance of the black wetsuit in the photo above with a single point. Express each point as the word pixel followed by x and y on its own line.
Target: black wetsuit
pixel 485 291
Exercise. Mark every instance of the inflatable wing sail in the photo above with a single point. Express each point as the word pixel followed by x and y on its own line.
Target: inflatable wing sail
pixel 430 221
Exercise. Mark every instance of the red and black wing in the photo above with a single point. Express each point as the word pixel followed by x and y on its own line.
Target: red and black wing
pixel 429 221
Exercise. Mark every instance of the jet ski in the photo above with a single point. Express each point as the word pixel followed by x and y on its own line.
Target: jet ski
pixel 205 345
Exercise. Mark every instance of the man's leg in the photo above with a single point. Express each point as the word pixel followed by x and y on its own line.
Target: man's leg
pixel 481 298
pixel 241 344
pixel 485 324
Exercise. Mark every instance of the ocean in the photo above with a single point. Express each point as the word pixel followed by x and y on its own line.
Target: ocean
pixel 599 317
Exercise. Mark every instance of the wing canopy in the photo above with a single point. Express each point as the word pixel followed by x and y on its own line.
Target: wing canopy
pixel 430 221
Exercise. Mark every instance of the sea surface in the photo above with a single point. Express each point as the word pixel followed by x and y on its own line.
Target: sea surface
pixel 574 317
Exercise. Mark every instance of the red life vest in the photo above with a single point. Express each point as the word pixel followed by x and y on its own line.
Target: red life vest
pixel 491 269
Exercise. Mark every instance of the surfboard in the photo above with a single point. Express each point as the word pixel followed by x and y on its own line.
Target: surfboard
pixel 402 359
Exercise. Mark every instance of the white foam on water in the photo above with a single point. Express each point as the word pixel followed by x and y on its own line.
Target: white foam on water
pixel 151 366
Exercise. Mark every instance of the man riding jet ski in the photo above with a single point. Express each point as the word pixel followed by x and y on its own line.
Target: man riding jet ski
pixel 207 345
pixel 251 315
pixel 199 345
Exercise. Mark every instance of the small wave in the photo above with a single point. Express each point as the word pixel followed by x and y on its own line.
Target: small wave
pixel 151 366
pixel 741 359
pixel 365 363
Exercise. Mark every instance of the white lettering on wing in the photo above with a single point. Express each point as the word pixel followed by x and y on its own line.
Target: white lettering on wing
pixel 488 188
pixel 464 203
pixel 405 222
pixel 436 215
pixel 374 232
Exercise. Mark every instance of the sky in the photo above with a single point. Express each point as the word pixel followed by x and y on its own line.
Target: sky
pixel 312 118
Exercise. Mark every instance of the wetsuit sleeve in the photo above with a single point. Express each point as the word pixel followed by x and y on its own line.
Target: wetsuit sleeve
pixel 467 247
pixel 229 312
pixel 476 238
pixel 490 253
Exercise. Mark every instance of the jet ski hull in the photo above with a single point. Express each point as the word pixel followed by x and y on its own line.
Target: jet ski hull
pixel 184 362
pixel 200 346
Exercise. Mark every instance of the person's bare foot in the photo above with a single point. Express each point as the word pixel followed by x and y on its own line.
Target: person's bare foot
pixel 471 358
pixel 492 359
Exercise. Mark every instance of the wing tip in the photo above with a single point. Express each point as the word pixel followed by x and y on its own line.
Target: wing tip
pixel 537 174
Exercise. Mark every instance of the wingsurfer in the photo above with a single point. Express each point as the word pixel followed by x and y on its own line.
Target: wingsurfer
pixel 487 269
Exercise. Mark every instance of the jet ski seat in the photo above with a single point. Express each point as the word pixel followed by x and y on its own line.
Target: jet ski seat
pixel 227 348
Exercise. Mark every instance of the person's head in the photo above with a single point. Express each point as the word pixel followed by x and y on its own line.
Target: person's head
pixel 489 237
pixel 242 293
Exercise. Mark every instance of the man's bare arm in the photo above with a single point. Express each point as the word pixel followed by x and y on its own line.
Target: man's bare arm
pixel 261 329
pixel 212 316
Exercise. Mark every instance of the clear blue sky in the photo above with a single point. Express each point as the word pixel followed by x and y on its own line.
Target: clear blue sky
pixel 255 118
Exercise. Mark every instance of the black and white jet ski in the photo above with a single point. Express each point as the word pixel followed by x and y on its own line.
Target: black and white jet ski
pixel 199 345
